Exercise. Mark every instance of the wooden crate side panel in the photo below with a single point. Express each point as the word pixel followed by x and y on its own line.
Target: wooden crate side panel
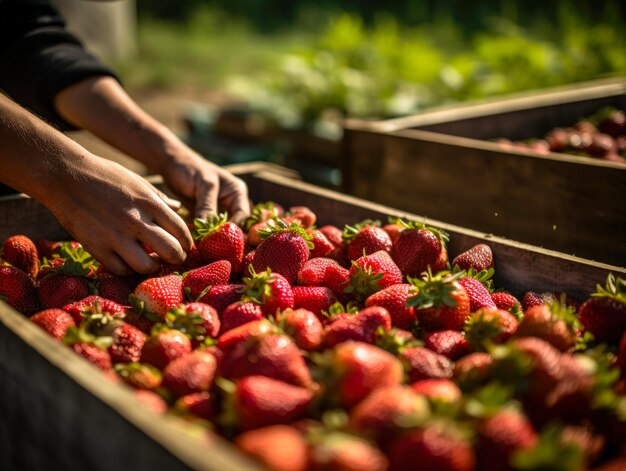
pixel 362 160
pixel 33 219
pixel 519 267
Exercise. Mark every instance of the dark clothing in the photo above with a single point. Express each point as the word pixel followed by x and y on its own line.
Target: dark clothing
pixel 39 57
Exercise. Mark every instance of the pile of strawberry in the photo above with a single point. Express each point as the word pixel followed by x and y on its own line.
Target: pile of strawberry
pixel 363 348
pixel 602 136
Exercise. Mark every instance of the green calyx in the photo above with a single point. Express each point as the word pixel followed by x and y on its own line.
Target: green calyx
pixel 481 329
pixel 257 287
pixel 560 311
pixel 433 291
pixel 204 227
pixel 279 226
pixel 615 288
pixel 484 276
pixel 82 335
pixel 363 282
pixel 190 323
pixel 392 342
pixel 442 235
pixel 551 452
pixel 489 400
pixel 126 370
pixel 338 308
pixel 261 212
pixel 349 232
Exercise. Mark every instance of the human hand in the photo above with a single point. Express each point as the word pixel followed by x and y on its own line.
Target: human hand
pixel 110 210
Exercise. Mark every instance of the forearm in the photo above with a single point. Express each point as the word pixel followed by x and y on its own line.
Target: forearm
pixel 101 106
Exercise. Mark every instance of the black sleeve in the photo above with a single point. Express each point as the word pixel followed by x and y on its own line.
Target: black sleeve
pixel 39 57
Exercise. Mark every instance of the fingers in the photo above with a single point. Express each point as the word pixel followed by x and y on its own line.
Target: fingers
pixel 164 244
pixel 234 197
pixel 207 189
pixel 175 226
pixel 137 258
pixel 170 202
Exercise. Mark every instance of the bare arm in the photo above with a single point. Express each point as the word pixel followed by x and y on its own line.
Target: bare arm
pixel 102 106
pixel 108 208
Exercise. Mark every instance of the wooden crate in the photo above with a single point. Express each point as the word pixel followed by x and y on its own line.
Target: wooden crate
pixel 438 163
pixel 59 412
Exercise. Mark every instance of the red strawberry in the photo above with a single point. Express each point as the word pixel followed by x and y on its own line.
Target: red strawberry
pixel 342 452
pixel 271 291
pixel 218 239
pixel 419 247
pixel 17 289
pixel 473 370
pixel 151 400
pixel 77 308
pixel 379 414
pixel 158 295
pixel 197 281
pixel 478 257
pixel 508 302
pixel 421 363
pixel 194 260
pixel 393 231
pixel 323 272
pixel 272 355
pixel 604 314
pixel 21 252
pixel 94 354
pixel 54 321
pixel 285 250
pixel 478 295
pixel 164 346
pixel 553 323
pixel 239 313
pixel 57 290
pixel 254 236
pixel 435 447
pixel 222 296
pixel 244 332
pixel 316 299
pixel 441 303
pixel 303 327
pixel 371 273
pixel 365 238
pixel 262 212
pixel 362 368
pixel 139 376
pixel 393 298
pixel 442 390
pixel 451 344
pixel 621 356
pixel 361 327
pixel 303 214
pixel 261 445
pixel 259 401
pixel 322 247
pixel 247 261
pixel 333 234
pixel 490 325
pixel 47 248
pixel 198 404
pixel 114 288
pixel 198 320
pixel 139 320
pixel 501 435
pixel 127 344
pixel 190 373
pixel 531 299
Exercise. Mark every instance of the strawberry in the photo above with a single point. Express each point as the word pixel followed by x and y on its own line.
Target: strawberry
pixel 553 323
pixel 164 346
pixel 313 298
pixel 127 342
pixel 218 239
pixel 441 302
pixel 393 298
pixel 393 230
pixel 21 252
pixel 371 273
pixel 361 327
pixel 501 435
pixel 151 400
pixel 489 325
pixel 190 373
pixel 158 295
pixel 473 370
pixel 271 291
pixel 285 250
pixel 508 302
pixel 272 355
pixel 478 257
pixel 451 344
pixel 436 447
pixel 239 313
pixel 17 289
pixel 199 280
pixel 378 415
pixel 77 308
pixel 324 272
pixel 222 296
pixel 114 288
pixel 262 212
pixel 247 261
pixel 604 314
pixel 621 356
pixel 303 327
pixel 362 368
pixel 90 347
pixel 419 247
pixel 139 320
pixel 254 236
pixel 194 260
pixel 198 320
pixel 198 404
pixel 333 234
pixel 531 299
pixel 303 214
pixel 243 333
pixel 139 376
pixel 47 248
pixel 478 295
pixel 441 390
pixel 54 321
pixel 421 363
pixel 261 445
pixel 322 247
pixel 365 238
pixel 343 452
pixel 57 290
pixel 258 401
